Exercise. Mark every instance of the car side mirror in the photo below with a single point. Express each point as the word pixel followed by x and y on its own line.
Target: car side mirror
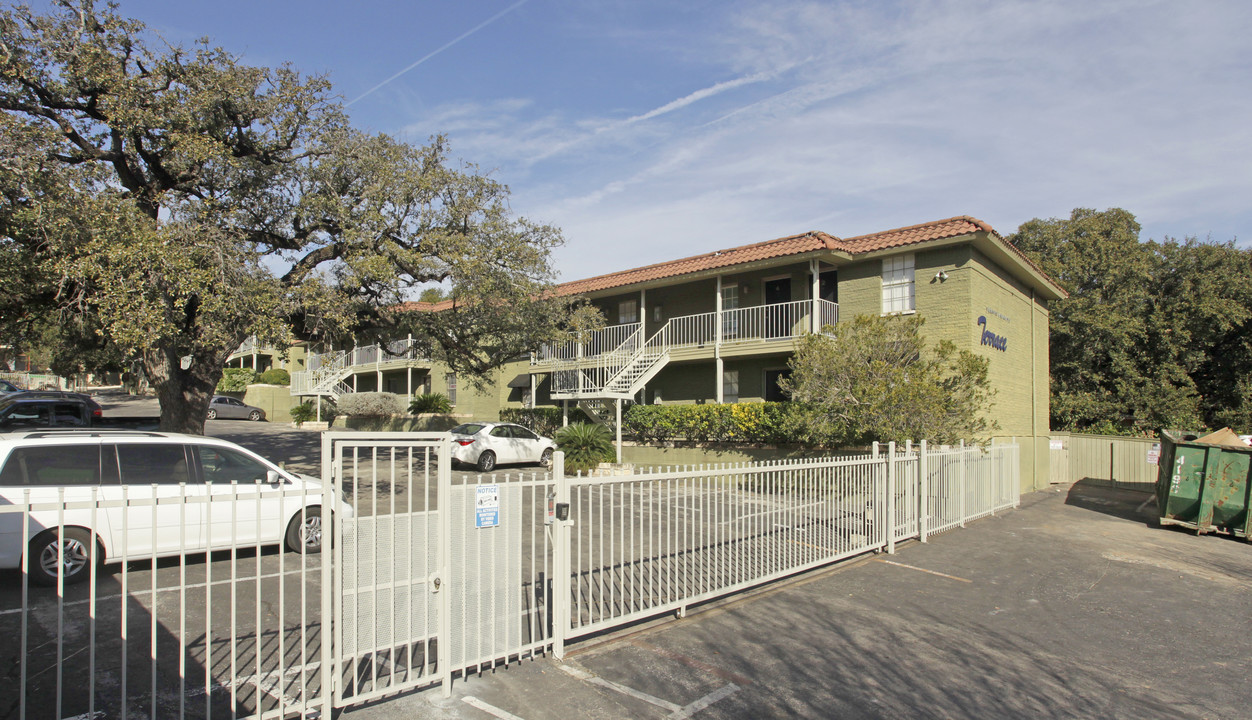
pixel 273 478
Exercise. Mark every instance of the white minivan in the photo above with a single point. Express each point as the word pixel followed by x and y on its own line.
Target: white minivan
pixel 120 495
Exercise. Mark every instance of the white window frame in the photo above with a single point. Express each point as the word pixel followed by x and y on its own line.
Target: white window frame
pixel 730 386
pixel 899 295
pixel 450 382
pixel 627 312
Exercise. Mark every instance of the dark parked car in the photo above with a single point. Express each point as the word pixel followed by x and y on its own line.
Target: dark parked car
pixel 28 410
pixel 97 412
pixel 222 407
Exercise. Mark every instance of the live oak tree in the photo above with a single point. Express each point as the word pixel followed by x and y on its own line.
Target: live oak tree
pixel 1153 334
pixel 877 379
pixel 176 201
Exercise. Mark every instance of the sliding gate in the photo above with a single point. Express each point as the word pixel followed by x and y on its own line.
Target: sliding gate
pixel 438 574
pixel 434 573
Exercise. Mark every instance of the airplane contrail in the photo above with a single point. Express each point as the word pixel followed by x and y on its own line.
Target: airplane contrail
pixel 447 45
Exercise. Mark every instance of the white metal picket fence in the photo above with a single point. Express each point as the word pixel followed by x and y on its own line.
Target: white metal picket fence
pixel 435 575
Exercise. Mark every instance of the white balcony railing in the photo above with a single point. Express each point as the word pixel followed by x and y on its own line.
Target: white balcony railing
pixel 750 324
pixel 622 370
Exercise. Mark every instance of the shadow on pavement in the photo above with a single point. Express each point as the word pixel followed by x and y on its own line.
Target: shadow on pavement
pixel 1134 505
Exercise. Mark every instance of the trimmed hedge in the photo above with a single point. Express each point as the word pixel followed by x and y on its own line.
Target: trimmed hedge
pixel 370 404
pixel 735 422
pixel 236 380
pixel 275 376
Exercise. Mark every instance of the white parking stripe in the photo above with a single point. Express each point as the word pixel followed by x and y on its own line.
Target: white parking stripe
pixel 489 709
pixel 174 588
pixel 595 680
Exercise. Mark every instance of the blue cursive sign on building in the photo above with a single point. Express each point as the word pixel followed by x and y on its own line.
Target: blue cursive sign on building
pixel 999 342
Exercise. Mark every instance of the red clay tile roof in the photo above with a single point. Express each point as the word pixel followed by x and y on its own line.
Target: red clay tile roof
pixel 791 245
pixel 781 247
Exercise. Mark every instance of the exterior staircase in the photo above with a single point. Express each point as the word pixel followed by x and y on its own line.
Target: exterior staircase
pixel 326 379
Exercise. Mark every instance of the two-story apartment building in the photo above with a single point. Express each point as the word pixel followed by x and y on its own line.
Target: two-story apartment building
pixel 721 326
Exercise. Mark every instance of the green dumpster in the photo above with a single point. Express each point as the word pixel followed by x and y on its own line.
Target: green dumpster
pixel 1204 485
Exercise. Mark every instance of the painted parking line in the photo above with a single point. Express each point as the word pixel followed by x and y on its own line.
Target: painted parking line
pixel 489 709
pixel 162 590
pixel 677 712
pixel 929 572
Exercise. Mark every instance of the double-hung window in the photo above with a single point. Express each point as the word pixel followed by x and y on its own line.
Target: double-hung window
pixel 897 285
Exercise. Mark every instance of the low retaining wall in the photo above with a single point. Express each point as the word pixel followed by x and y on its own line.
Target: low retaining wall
pixel 401 423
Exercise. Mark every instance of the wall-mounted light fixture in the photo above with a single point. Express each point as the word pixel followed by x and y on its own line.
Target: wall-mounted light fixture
pixel 941 276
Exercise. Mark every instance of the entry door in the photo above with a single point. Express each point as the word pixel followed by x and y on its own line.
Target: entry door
pixel 777 292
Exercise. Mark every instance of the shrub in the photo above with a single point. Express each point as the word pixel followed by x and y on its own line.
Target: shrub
pixel 236 380
pixel 274 376
pixel 733 422
pixel 585 446
pixel 545 421
pixel 430 403
pixel 303 413
pixel 370 403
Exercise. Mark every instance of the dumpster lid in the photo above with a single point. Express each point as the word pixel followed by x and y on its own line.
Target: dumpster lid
pixel 1224 437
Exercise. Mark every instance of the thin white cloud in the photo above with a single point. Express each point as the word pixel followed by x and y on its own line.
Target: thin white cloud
pixel 442 48
pixel 697 96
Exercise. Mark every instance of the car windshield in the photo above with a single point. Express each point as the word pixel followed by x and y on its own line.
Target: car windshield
pixel 467 429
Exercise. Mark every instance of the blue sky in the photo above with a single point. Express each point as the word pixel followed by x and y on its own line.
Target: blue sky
pixel 650 130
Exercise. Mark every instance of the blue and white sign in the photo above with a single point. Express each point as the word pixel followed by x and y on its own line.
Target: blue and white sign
pixel 486 506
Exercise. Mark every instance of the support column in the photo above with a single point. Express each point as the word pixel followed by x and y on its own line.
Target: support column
pixel 815 312
pixel 534 391
pixel 719 366
pixel 564 413
pixel 618 403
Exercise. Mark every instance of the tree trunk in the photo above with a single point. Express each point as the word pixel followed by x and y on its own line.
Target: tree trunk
pixel 184 394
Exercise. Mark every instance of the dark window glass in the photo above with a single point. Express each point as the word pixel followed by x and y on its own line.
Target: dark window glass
pixel 223 466
pixel 501 432
pixel 149 464
pixel 523 433
pixel 773 393
pixel 52 465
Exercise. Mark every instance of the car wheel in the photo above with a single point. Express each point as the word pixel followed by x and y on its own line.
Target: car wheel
pixel 254 415
pixel 77 551
pixel 304 532
pixel 486 461
pixel 545 458
pixel 212 414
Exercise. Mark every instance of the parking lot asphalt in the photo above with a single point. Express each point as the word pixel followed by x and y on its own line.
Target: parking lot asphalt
pixel 1076 605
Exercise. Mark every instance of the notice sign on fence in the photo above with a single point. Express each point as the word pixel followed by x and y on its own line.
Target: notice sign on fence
pixel 1154 454
pixel 487 506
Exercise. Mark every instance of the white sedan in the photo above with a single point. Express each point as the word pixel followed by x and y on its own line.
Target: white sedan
pixel 485 445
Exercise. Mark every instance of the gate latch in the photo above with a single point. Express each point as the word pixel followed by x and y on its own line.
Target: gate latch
pixel 435 582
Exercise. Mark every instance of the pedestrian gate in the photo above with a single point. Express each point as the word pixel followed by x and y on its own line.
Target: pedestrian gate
pixel 431 575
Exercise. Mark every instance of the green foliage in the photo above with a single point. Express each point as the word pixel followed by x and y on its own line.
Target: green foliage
pixel 303 412
pixel 274 376
pixel 1153 334
pixel 430 403
pixel 876 379
pixel 247 169
pixel 370 404
pixel 585 446
pixel 545 421
pixel 733 422
pixel 236 380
